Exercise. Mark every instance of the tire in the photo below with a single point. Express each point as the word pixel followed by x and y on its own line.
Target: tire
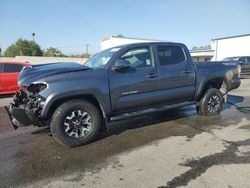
pixel 75 122
pixel 211 103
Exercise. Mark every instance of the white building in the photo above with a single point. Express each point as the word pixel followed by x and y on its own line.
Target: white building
pixel 200 55
pixel 231 46
pixel 112 41
pixel 220 47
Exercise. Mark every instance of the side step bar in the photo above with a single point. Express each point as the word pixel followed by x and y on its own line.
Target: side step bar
pixel 150 110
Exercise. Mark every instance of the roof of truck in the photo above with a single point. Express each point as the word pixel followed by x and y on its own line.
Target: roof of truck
pixel 143 43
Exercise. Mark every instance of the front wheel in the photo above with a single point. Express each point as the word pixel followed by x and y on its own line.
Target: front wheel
pixel 211 103
pixel 75 122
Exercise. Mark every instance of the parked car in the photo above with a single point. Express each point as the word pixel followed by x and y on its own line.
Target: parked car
pixel 244 62
pixel 9 72
pixel 77 101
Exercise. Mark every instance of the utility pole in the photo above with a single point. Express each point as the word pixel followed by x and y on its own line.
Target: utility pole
pixel 87 48
pixel 0 51
pixel 33 36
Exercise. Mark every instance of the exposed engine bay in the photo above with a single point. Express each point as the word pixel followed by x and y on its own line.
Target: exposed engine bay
pixel 27 105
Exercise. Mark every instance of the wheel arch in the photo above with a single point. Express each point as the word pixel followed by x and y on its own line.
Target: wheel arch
pixel 55 103
pixel 218 83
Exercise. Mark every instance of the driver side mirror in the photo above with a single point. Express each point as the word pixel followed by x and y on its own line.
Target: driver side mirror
pixel 121 65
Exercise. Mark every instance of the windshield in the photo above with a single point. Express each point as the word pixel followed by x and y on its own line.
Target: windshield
pixel 101 59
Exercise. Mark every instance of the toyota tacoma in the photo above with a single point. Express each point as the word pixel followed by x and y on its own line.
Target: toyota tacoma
pixel 77 101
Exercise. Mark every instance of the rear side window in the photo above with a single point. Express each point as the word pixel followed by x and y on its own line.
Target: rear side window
pixel 8 68
pixel 170 55
pixel 1 68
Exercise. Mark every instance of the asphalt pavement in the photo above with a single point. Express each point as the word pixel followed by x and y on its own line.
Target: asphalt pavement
pixel 175 148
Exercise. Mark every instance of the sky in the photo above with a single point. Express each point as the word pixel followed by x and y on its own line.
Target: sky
pixel 71 24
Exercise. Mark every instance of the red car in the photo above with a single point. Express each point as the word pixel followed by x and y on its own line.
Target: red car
pixel 9 71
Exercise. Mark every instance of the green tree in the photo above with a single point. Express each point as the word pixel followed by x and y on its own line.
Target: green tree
pixel 53 52
pixel 23 47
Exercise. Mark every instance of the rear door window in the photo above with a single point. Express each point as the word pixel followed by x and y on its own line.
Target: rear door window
pixel 11 68
pixel 170 55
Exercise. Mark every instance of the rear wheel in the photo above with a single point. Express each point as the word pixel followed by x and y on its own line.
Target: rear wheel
pixel 75 123
pixel 211 103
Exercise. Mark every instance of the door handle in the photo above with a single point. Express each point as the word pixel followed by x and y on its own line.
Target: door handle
pixel 151 75
pixel 186 72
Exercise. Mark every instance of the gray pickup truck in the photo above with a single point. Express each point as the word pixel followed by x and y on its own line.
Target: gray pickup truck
pixel 77 101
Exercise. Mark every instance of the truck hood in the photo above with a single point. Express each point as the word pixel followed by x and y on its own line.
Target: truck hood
pixel 35 72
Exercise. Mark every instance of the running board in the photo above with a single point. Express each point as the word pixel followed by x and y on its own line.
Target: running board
pixel 150 110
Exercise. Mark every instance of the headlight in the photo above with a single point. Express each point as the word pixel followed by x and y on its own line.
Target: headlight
pixel 36 88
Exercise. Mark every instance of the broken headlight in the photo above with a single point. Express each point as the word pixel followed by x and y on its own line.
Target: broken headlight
pixel 36 88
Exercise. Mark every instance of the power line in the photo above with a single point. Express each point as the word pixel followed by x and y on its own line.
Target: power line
pixel 73 46
pixel 81 45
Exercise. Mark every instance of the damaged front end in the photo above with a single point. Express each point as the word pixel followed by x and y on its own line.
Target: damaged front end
pixel 26 107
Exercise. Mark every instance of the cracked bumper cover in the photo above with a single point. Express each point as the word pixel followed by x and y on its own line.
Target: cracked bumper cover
pixel 21 117
pixel 22 114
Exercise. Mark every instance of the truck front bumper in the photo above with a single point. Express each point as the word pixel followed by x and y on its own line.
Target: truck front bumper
pixel 20 117
pixel 21 113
